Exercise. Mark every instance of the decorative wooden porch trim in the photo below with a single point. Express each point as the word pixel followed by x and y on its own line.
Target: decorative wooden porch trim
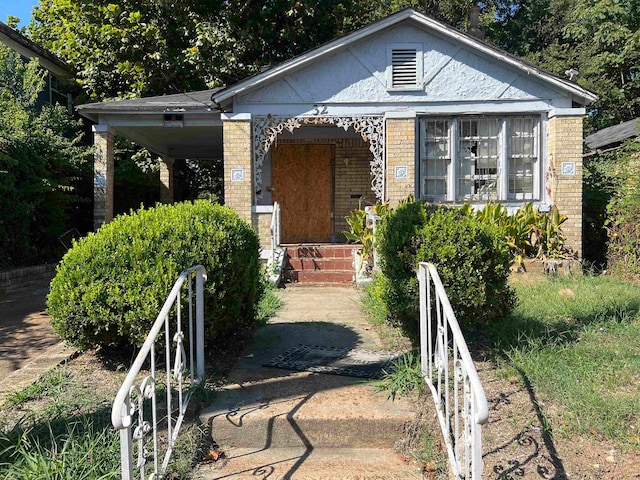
pixel 370 127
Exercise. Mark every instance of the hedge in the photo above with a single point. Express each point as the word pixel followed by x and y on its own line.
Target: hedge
pixel 472 259
pixel 111 285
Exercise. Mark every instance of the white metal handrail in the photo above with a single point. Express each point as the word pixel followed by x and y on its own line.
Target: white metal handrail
pixel 275 230
pixel 449 372
pixel 129 401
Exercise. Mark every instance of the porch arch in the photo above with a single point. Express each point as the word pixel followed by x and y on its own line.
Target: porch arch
pixel 370 127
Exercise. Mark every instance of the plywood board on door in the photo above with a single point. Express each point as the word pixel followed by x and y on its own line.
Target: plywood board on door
pixel 302 179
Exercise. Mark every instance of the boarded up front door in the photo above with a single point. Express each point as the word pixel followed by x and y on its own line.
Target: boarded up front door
pixel 302 181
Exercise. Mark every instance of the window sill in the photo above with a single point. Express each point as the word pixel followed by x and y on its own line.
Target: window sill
pixel 262 209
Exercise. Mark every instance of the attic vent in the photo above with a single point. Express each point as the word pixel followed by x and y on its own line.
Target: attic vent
pixel 404 67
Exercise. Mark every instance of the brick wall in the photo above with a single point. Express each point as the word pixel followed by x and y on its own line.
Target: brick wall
pixel 565 190
pixel 400 151
pixel 237 140
pixel 262 224
pixel 166 180
pixel 103 176
pixel 352 180
pixel 12 279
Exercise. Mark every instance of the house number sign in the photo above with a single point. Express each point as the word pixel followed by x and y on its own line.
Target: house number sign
pixel 237 174
pixel 401 172
pixel 568 168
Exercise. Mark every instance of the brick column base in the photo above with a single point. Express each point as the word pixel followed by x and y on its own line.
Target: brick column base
pixel 103 139
pixel 565 175
pixel 400 172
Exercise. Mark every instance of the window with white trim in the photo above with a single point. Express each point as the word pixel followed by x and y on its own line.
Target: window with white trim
pixel 480 159
pixel 523 155
pixel 405 66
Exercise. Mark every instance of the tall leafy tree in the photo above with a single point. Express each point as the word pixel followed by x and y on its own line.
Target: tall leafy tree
pixel 598 38
pixel 145 47
pixel 41 162
pixel 524 27
pixel 602 39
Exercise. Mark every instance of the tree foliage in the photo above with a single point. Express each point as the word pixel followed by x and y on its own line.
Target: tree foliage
pixel 598 38
pixel 41 162
pixel 613 199
pixel 146 47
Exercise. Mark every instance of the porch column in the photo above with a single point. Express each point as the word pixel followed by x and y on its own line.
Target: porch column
pixel 166 179
pixel 565 172
pixel 102 175
pixel 238 163
pixel 400 145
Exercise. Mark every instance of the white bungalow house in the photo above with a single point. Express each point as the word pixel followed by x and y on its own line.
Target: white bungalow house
pixel 406 105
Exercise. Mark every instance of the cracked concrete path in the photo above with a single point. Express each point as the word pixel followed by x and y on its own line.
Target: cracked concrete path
pixel 274 423
pixel 28 345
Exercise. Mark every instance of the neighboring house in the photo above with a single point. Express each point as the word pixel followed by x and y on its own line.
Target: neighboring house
pixel 406 105
pixel 60 78
pixel 612 137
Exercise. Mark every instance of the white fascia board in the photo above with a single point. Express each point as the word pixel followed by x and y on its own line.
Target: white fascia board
pixel 395 110
pixel 443 29
pixel 567 112
pixel 400 115
pixel 235 117
pixel 154 120
pixel 43 62
pixel 495 53
pixel 262 208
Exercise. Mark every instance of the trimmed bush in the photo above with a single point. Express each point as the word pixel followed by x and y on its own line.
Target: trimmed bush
pixel 472 259
pixel 397 248
pixel 110 287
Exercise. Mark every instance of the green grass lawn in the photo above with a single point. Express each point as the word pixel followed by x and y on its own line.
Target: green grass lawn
pixel 577 342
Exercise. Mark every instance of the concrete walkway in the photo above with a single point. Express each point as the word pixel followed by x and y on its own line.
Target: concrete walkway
pixel 280 424
pixel 28 346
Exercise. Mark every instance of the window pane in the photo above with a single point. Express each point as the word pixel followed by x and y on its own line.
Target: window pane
pixel 435 160
pixel 522 161
pixel 478 159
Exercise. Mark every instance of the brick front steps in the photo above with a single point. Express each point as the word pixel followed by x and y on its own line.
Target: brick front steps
pixel 319 264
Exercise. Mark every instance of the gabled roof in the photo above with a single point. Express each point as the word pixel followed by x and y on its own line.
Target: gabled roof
pixel 30 49
pixel 612 136
pixel 224 96
pixel 192 102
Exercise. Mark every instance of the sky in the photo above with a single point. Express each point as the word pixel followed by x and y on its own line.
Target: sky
pixel 17 8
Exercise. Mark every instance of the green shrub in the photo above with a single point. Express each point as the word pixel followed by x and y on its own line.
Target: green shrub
pixel 472 258
pixel 110 287
pixel 473 261
pixel 397 248
pixel 623 212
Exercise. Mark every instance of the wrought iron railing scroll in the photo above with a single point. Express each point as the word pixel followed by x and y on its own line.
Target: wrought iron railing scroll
pixel 449 372
pixel 141 436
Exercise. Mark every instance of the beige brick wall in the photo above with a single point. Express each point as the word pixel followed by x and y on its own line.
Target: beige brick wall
pixel 166 180
pixel 565 191
pixel 237 140
pixel 400 151
pixel 352 180
pixel 103 176
pixel 262 224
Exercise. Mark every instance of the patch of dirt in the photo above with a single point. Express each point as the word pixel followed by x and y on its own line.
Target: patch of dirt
pixel 93 380
pixel 517 446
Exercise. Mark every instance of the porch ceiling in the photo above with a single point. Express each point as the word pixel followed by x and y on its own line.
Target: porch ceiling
pixel 197 142
pixel 143 121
